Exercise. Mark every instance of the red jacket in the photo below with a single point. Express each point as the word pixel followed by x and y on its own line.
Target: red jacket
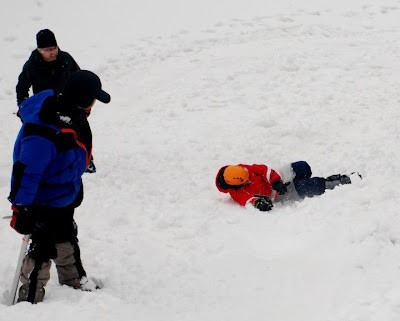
pixel 261 177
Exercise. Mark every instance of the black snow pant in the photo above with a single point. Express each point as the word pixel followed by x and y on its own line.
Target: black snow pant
pixel 54 238
pixel 305 185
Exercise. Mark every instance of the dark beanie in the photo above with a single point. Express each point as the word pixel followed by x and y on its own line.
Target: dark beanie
pixel 45 38
pixel 83 87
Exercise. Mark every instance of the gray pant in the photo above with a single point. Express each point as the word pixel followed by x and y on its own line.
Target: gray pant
pixel 54 238
pixel 35 273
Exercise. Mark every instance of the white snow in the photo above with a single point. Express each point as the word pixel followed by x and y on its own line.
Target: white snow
pixel 196 85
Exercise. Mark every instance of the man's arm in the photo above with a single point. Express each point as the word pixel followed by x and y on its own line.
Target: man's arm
pixel 35 155
pixel 23 85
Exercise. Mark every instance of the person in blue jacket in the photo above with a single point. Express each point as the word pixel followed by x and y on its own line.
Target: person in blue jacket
pixel 51 153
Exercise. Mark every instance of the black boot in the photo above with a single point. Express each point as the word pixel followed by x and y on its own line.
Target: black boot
pixel 334 180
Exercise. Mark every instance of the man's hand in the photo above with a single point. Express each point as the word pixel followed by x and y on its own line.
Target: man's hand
pixel 263 204
pixel 22 219
pixel 280 186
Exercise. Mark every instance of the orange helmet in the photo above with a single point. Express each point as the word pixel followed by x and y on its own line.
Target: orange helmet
pixel 236 175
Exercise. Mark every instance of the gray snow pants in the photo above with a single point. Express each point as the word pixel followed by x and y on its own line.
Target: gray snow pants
pixel 55 239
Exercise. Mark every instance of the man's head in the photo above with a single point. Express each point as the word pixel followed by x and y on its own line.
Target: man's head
pixel 83 88
pixel 47 45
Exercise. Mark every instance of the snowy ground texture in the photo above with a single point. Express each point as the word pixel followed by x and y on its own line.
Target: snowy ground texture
pixel 196 85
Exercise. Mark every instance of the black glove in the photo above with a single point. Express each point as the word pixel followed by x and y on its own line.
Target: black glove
pixel 280 186
pixel 91 167
pixel 263 204
pixel 22 219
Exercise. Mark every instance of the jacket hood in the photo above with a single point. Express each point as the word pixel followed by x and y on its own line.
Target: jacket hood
pixel 31 109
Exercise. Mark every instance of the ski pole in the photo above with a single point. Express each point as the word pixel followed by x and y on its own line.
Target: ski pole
pixel 14 286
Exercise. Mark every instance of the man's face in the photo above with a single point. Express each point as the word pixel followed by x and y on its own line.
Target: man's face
pixel 87 109
pixel 49 53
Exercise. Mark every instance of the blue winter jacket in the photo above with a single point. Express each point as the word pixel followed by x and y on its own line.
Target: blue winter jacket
pixel 43 173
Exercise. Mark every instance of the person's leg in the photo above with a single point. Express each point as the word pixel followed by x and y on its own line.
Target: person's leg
pixel 301 170
pixel 68 264
pixel 35 270
pixel 309 187
pixel 34 277
pixel 336 180
pixel 68 261
pixel 305 185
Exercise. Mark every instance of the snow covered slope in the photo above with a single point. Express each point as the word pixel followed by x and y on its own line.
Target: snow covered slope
pixel 195 87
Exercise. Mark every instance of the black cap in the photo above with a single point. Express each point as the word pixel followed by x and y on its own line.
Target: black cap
pixel 45 38
pixel 83 87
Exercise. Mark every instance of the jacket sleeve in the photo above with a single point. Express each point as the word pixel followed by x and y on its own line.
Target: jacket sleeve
pixel 34 156
pixel 269 174
pixel 23 85
pixel 241 196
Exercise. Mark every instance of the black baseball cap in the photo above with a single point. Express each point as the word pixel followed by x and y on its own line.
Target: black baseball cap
pixel 83 87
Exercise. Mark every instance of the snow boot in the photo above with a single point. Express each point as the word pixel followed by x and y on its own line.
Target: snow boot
pixel 335 180
pixel 90 284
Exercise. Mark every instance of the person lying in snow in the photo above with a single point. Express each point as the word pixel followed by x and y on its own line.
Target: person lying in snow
pixel 259 185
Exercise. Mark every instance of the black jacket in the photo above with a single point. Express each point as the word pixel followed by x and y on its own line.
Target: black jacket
pixel 42 75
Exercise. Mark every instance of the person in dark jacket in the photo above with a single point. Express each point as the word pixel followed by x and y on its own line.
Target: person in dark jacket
pixel 259 185
pixel 51 153
pixel 48 67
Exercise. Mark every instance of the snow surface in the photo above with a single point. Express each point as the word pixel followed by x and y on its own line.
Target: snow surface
pixel 197 85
